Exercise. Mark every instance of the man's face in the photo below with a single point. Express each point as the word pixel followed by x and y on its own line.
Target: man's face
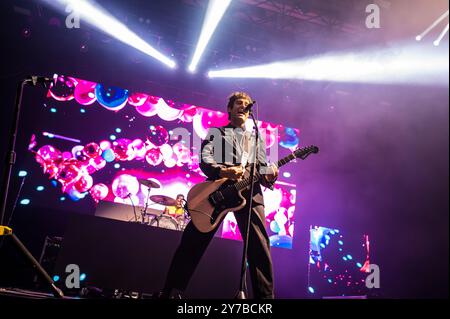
pixel 237 114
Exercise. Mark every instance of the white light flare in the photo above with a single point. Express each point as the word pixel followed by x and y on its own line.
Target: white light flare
pixel 98 17
pixel 435 23
pixel 438 40
pixel 214 13
pixel 397 65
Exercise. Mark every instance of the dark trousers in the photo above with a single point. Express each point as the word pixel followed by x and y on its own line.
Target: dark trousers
pixel 194 243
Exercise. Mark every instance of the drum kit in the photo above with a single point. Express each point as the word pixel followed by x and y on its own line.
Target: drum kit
pixel 157 218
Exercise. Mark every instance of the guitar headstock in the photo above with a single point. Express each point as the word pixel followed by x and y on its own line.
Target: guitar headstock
pixel 305 151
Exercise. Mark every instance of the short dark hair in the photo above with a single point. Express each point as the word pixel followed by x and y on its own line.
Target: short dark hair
pixel 237 95
pixel 180 195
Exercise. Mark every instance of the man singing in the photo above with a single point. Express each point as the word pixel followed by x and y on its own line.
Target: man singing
pixel 235 159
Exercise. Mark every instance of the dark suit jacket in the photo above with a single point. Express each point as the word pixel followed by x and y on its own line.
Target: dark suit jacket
pixel 220 149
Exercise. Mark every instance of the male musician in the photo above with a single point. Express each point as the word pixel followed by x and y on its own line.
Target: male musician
pixel 227 153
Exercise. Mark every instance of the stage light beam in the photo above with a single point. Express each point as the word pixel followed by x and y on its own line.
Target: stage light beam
pixel 399 64
pixel 435 23
pixel 98 17
pixel 438 40
pixel 214 13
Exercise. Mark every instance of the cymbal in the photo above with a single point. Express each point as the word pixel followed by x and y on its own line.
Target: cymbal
pixel 163 200
pixel 148 183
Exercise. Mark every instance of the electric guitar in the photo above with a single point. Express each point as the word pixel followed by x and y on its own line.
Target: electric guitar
pixel 210 201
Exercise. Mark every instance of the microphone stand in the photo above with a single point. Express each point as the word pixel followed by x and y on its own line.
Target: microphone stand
pixel 241 293
pixel 10 161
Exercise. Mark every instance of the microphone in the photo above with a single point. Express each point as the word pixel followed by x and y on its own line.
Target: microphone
pixel 248 108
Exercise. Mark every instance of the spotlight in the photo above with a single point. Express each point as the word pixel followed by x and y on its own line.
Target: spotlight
pixel 98 17
pixel 399 64
pixel 214 13
pixel 438 40
pixel 435 23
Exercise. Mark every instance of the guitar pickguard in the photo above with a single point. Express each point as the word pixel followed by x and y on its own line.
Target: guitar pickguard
pixel 229 198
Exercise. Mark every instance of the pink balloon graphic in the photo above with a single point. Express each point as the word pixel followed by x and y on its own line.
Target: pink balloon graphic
pixel 99 192
pixel 47 152
pixel 121 149
pixel 137 99
pixel 66 155
pixel 32 143
pixel 154 156
pixel 170 162
pixel 98 162
pixel 204 119
pixel 193 165
pixel 69 173
pixel 166 112
pixel 149 107
pixel 51 168
pixel 182 152
pixel 104 145
pixel 125 185
pixel 63 89
pixel 158 135
pixel 92 150
pixel 187 114
pixel 84 183
pixel 138 148
pixel 85 92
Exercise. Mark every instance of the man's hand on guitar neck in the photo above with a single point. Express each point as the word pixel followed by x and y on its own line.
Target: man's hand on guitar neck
pixel 234 173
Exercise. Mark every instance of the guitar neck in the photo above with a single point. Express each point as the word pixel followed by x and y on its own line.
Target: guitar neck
pixel 246 181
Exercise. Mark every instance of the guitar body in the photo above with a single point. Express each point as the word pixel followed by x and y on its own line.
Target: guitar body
pixel 207 213
pixel 210 201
